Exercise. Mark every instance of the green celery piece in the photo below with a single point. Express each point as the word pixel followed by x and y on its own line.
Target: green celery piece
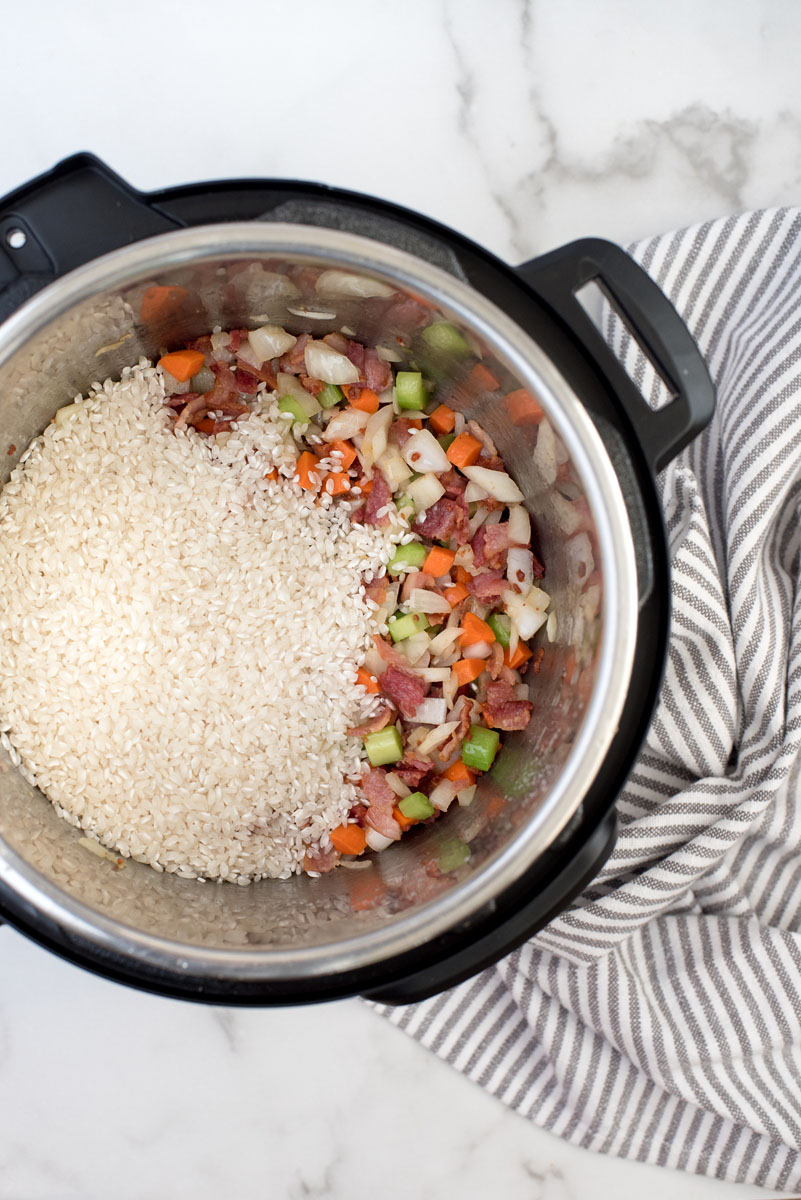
pixel 288 404
pixel 384 747
pixel 480 747
pixel 407 558
pixel 416 806
pixel 330 396
pixel 445 339
pixel 501 626
pixel 453 853
pixel 410 391
pixel 407 625
pixel 445 440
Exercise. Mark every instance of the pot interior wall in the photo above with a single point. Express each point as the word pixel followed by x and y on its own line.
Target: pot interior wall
pixel 107 332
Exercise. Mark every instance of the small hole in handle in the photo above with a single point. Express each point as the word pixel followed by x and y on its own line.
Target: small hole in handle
pixel 16 238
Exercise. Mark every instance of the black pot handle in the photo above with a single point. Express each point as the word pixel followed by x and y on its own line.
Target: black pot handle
pixel 62 219
pixel 653 322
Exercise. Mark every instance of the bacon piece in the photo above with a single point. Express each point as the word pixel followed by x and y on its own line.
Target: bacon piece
pixel 453 481
pixel 495 660
pixel 356 353
pixel 294 361
pixel 415 579
pixel 379 497
pixel 373 724
pixel 203 344
pixel 413 769
pixel 502 710
pixel 264 373
pixel 321 861
pixel 491 461
pixel 314 386
pixel 404 312
pixel 377 373
pixel 377 589
pixel 246 382
pixel 381 802
pixel 457 737
pixel 490 544
pixel 235 339
pixel 179 400
pixel 400 431
pixel 196 407
pixel 304 278
pixel 445 520
pixel 488 587
pixel 337 341
pixel 482 436
pixel 405 690
pixel 389 654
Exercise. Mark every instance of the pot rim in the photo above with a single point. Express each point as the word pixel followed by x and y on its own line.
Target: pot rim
pixel 530 363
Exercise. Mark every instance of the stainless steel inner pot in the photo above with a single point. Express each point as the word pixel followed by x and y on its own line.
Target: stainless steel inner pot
pixel 87 326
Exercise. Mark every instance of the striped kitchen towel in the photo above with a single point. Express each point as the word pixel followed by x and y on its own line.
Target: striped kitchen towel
pixel 660 1018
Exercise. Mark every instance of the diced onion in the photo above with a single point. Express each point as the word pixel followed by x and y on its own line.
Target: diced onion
pixel 443 795
pixel 325 363
pixel 544 458
pixel 422 600
pixel 393 468
pixel 375 437
pixel 477 650
pixel 202 382
pixel 580 561
pixel 424 453
pixel 345 283
pixel 374 663
pixel 550 627
pixel 476 521
pixel 270 341
pixel 528 611
pixel 219 347
pixel 444 640
pixel 415 647
pixel 521 691
pixel 376 841
pixel 465 796
pixel 497 484
pixel 520 568
pixel 518 526
pixel 434 674
pixel 425 492
pixel 430 711
pixel 387 354
pixel 346 424
pixel 449 689
pixel 473 493
pixel 436 737
pixel 398 786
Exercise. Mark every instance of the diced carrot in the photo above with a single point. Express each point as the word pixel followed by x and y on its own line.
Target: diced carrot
pixel 415 423
pixel 404 822
pixel 481 379
pixel 336 483
pixel 348 839
pixel 463 450
pixel 206 425
pixel 367 889
pixel 442 419
pixel 475 630
pixel 158 302
pixel 496 806
pixel 523 409
pixel 346 453
pixel 454 595
pixel 522 654
pixel 468 669
pixel 366 400
pixel 438 561
pixel 461 575
pixel 272 474
pixel 368 681
pixel 365 484
pixel 182 364
pixel 459 773
pixel 306 464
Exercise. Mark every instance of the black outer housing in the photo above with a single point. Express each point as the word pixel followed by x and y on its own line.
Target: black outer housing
pixel 81 210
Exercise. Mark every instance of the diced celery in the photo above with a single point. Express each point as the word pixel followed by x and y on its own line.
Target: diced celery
pixel 501 626
pixel 405 504
pixel 330 395
pixel 446 439
pixel 452 854
pixel 480 747
pixel 410 391
pixel 288 404
pixel 445 338
pixel 407 558
pixel 407 625
pixel 416 806
pixel 384 747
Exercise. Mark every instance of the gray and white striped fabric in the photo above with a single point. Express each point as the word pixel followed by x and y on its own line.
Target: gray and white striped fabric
pixel 660 1019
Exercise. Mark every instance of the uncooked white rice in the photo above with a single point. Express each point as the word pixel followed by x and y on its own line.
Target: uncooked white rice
pixel 179 637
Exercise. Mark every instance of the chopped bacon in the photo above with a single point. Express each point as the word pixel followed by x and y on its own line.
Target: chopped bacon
pixel 179 400
pixel 382 800
pixel 304 278
pixel 413 769
pixel 235 339
pixel 444 520
pixel 491 461
pixel 482 436
pixel 203 344
pixel 356 353
pixel 377 589
pixel 490 544
pixel 264 373
pixel 373 724
pixel 495 660
pixel 407 691
pixel 379 498
pixel 389 653
pixel 457 737
pixel 337 341
pixel 196 406
pixel 488 587
pixel 314 386
pixel 453 481
pixel 246 382
pixel 294 361
pixel 400 431
pixel 415 579
pixel 377 373
pixel 502 710
pixel 404 312
pixel 321 861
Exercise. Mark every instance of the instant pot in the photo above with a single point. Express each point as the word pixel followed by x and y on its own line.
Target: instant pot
pixel 79 252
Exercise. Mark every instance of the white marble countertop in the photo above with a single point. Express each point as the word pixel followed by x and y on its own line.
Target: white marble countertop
pixel 523 124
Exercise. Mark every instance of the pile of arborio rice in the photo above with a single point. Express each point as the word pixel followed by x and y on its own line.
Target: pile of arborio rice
pixel 179 637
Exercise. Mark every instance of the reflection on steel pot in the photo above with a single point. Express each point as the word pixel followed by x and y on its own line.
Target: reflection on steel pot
pixel 92 276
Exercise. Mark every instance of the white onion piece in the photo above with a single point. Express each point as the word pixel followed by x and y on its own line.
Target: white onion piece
pixel 436 737
pixel 219 347
pixel 312 314
pixel 434 674
pixel 202 382
pixel 415 647
pixel 387 354
pixel 345 424
pixel 177 387
pixel 345 283
pixel 551 627
pixel 520 568
pixel 393 468
pixel 519 525
pixel 290 385
pixel 497 484
pixel 376 841
pixel 270 341
pixel 430 711
pixel 527 612
pixel 443 795
pixel 444 640
pixel 521 691
pixel 580 561
pixel 424 453
pixel 375 438
pixel 477 650
pixel 476 521
pixel 544 457
pixel 249 355
pixel 473 493
pixel 325 363
pixel 465 796
pixel 449 690
pixel 425 491
pixel 397 784
pixel 421 600
pixel 374 663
